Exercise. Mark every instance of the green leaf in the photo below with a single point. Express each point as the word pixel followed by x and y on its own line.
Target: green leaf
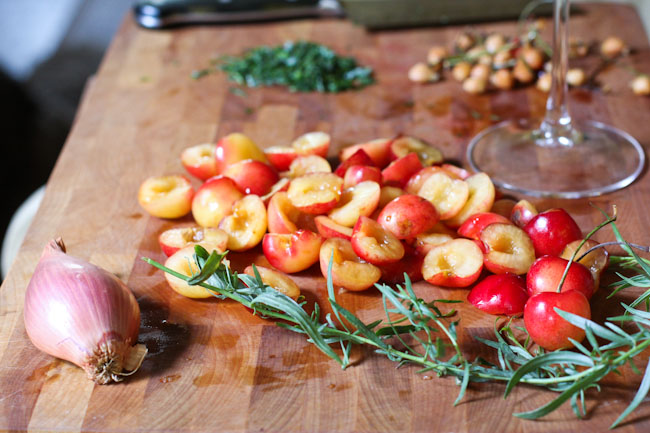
pixel 583 382
pixel 208 268
pixel 640 299
pixel 463 385
pixel 640 395
pixel 597 329
pixel 284 303
pixel 360 326
pixel 637 312
pixel 330 291
pixel 544 360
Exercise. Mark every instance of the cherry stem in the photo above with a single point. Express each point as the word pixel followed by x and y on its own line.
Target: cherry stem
pixel 607 244
pixel 575 253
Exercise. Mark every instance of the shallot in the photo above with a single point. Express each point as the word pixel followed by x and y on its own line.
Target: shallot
pixel 81 313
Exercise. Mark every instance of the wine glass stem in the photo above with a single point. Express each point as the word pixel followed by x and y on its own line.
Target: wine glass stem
pixel 556 127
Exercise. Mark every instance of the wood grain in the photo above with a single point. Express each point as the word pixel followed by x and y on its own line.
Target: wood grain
pixel 212 366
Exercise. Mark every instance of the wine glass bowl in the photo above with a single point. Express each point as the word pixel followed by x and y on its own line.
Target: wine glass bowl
pixel 557 156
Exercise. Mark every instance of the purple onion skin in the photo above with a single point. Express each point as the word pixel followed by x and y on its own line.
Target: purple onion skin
pixel 81 313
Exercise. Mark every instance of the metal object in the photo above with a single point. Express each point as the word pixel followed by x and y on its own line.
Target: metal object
pixel 155 14
pixel 373 14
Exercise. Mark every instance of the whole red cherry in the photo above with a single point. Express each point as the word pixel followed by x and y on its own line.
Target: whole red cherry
pixel 546 272
pixel 551 231
pixel 546 327
pixel 500 295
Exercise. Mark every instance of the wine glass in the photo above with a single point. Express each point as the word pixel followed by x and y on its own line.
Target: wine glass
pixel 560 157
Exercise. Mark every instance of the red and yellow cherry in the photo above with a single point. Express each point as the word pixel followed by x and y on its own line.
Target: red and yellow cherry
pixel 360 157
pixel 522 212
pixel 551 231
pixel 236 147
pixel 456 263
pixel 293 252
pixel 400 171
pixel 596 261
pixel 546 272
pixel 546 327
pixel 407 216
pixel 200 160
pixel 500 295
pixel 474 225
pixel 374 244
pixel 378 150
pixel 252 177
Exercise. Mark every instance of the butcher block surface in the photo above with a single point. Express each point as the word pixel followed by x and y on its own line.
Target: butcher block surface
pixel 212 366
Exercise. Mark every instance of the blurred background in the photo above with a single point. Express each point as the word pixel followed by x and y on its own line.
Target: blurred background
pixel 48 50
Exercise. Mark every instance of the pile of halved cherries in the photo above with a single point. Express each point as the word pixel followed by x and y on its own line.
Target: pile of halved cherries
pixel 391 207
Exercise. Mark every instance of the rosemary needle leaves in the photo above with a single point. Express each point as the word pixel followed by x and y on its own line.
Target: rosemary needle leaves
pixel 419 332
pixel 301 66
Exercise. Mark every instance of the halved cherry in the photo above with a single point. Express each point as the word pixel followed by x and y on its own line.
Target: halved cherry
pixel 360 157
pixel 457 263
pixel 378 150
pixel 356 201
pixel 309 164
pixel 174 239
pixel 399 171
pixel 166 196
pixel 508 249
pixel 315 193
pixel 280 157
pixel 200 160
pixel 327 228
pixel 282 215
pixel 596 261
pixel 246 224
pixel 480 199
pixel 312 143
pixel 447 195
pixel 427 154
pixel 277 280
pixel 293 252
pixel 522 212
pixel 424 242
pixel 475 224
pixel 388 194
pixel 374 244
pixel 348 270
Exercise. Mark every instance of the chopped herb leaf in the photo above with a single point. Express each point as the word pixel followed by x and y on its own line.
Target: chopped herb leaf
pixel 238 91
pixel 200 73
pixel 301 66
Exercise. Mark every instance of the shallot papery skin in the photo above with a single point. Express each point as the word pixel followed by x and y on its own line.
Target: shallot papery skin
pixel 81 313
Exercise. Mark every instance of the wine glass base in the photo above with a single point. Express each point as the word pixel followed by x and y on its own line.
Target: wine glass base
pixel 602 159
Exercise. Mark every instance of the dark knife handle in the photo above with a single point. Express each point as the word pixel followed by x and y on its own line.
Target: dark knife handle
pixel 166 13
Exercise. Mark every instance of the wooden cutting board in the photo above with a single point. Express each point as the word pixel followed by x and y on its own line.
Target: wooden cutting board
pixel 212 366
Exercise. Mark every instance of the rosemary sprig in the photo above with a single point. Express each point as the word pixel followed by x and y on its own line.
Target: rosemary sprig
pixel 419 332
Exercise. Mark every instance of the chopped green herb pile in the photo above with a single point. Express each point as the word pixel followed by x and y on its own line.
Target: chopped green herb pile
pixel 301 66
